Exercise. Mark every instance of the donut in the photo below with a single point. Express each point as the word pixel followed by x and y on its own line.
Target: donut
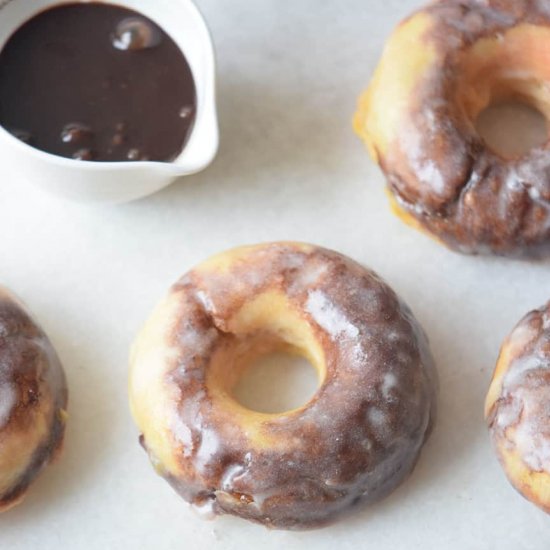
pixel 517 408
pixel 354 442
pixel 440 69
pixel 33 400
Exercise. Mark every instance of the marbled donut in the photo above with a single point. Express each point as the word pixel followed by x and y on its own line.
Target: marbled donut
pixel 354 442
pixel 440 69
pixel 33 399
pixel 518 407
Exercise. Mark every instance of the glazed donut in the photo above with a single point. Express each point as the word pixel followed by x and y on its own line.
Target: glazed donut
pixel 33 399
pixel 440 69
pixel 354 442
pixel 518 404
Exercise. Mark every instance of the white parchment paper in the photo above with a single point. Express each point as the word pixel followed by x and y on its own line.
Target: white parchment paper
pixel 289 167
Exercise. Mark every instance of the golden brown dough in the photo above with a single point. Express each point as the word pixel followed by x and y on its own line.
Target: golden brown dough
pixel 354 442
pixel 440 69
pixel 33 399
pixel 518 407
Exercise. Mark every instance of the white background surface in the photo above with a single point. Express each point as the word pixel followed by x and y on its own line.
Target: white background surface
pixel 289 168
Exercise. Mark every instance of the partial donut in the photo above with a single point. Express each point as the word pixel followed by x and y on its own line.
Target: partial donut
pixel 440 69
pixel 354 442
pixel 33 400
pixel 518 407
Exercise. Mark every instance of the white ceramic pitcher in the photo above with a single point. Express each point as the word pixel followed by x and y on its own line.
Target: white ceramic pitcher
pixel 113 182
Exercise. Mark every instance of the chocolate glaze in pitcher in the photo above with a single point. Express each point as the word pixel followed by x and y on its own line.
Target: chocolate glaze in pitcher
pixel 97 82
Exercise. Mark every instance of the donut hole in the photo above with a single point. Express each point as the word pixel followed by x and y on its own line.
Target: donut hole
pixel 270 361
pixel 276 383
pixel 501 90
pixel 512 128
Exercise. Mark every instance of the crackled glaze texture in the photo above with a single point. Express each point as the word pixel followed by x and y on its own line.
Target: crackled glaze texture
pixel 33 398
pixel 356 440
pixel 441 68
pixel 518 407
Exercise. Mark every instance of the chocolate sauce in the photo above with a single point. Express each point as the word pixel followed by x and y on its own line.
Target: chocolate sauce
pixel 97 82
